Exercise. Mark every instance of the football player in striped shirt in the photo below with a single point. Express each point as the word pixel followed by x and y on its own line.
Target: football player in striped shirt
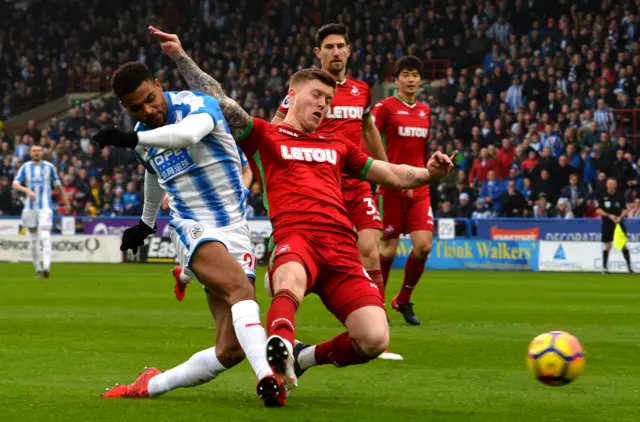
pixel 36 179
pixel 186 147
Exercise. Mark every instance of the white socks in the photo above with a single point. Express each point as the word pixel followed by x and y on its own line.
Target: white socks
pixel 45 236
pixel 307 357
pixel 35 250
pixel 199 369
pixel 186 275
pixel 205 366
pixel 251 335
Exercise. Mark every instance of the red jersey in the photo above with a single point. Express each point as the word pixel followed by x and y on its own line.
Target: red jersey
pixel 301 176
pixel 405 129
pixel 351 103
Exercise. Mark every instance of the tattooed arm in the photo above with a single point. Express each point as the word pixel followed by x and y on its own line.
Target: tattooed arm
pixel 236 117
pixel 197 79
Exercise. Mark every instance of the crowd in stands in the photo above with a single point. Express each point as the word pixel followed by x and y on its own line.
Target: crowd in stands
pixel 528 99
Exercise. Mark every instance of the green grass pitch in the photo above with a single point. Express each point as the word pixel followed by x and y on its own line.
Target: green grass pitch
pixel 63 340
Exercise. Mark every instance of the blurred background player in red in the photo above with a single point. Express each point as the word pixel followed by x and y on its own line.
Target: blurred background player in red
pixel 404 124
pixel 349 115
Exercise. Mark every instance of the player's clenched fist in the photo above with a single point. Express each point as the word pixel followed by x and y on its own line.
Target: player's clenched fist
pixel 134 236
pixel 170 43
pixel 116 137
pixel 440 164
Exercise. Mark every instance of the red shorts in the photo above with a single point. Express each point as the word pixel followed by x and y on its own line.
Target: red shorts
pixel 334 270
pixel 361 206
pixel 403 215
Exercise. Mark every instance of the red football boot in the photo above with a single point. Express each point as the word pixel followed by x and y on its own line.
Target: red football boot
pixel 139 388
pixel 180 288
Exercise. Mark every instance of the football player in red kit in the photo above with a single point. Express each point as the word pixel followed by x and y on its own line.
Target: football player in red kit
pixel 350 116
pixel 404 124
pixel 316 249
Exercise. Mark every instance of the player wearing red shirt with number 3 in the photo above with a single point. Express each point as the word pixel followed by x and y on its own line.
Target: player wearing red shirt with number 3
pixel 350 116
pixel 316 247
pixel 404 123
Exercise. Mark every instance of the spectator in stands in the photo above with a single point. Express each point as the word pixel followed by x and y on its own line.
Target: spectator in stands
pixel 464 208
pixel 118 200
pixel 542 208
pixel 601 183
pixel 500 30
pixel 515 176
pixel 527 191
pixel 22 149
pixel 70 191
pixel 504 157
pixel 5 196
pixel 32 131
pixel 603 115
pixel 531 162
pixel 576 194
pixel 575 160
pixel 481 168
pixel 546 186
pixel 552 141
pixel 85 141
pixel 445 210
pixel 592 135
pixel 108 211
pixel 514 98
pixel 625 146
pixel 513 202
pixel 481 211
pixel 562 171
pixel 622 170
pixel 534 142
pixel 634 209
pixel 563 209
pixel 491 191
pixel 89 210
pixel 256 200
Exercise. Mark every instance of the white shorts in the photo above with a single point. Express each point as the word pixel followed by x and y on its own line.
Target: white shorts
pixel 37 219
pixel 187 235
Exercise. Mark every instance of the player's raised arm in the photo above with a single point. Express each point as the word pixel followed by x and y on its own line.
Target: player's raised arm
pixel 238 119
pixel 408 177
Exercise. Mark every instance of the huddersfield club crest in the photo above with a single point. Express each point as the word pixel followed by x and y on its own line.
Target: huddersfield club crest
pixel 196 231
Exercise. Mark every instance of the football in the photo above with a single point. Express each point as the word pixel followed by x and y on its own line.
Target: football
pixel 555 358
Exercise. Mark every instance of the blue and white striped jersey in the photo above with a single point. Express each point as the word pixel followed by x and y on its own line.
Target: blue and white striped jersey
pixel 41 179
pixel 204 181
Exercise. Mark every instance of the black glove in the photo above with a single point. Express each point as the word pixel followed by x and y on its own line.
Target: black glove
pixel 134 236
pixel 116 137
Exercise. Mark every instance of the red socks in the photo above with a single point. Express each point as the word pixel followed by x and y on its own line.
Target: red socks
pixel 376 277
pixel 385 267
pixel 412 273
pixel 281 317
pixel 340 351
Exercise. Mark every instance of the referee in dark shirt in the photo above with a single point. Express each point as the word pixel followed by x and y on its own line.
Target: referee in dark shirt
pixel 612 209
